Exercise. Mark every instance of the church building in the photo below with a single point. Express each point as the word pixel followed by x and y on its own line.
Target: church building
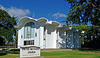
pixel 46 34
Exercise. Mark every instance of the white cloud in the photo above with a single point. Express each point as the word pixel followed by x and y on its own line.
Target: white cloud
pixel 58 15
pixel 1 7
pixel 19 13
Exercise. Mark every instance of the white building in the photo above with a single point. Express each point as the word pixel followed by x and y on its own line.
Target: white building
pixel 46 34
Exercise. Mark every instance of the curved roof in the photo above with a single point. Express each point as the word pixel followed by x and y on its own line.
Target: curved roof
pixel 53 23
pixel 24 19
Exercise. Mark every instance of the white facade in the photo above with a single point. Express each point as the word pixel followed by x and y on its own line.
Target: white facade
pixel 46 34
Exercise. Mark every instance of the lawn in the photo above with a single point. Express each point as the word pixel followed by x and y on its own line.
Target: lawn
pixel 59 54
pixel 71 54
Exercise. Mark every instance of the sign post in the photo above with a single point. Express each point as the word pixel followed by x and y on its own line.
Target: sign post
pixel 29 51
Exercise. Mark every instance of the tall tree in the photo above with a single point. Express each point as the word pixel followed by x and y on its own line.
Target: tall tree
pixel 7 24
pixel 84 11
pixel 16 39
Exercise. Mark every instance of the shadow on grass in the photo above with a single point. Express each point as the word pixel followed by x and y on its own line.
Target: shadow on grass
pixel 89 50
pixel 2 53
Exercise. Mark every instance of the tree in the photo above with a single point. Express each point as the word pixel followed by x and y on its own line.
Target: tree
pixel 84 11
pixel 7 24
pixel 16 39
pixel 67 23
pixel 2 42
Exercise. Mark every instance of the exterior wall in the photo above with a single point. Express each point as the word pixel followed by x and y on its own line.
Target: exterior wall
pixel 38 34
pixel 70 39
pixel 20 37
pixel 77 43
pixel 51 36
pixel 37 29
pixel 54 38
pixel 41 34
pixel 73 40
pixel 61 41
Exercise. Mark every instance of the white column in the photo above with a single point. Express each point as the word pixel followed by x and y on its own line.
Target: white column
pixel 19 39
pixel 57 45
pixel 22 36
pixel 46 37
pixel 55 37
pixel 41 36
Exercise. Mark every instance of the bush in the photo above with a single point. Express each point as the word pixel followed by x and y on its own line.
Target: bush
pixel 2 53
pixel 10 52
pixel 13 52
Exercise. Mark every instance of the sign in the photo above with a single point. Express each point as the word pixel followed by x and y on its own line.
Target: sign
pixel 31 51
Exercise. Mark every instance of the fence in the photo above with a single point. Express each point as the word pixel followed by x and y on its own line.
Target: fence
pixel 8 46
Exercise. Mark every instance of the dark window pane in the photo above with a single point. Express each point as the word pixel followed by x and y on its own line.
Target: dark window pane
pixel 24 42
pixel 31 42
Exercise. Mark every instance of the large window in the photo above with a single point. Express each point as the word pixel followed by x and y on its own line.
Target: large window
pixel 29 30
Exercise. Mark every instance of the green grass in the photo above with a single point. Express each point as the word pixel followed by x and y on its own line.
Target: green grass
pixel 59 54
pixel 71 54
pixel 10 56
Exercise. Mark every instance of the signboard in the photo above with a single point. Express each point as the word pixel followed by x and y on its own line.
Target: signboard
pixel 31 51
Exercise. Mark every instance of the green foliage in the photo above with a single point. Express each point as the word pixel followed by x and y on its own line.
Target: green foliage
pixel 2 42
pixel 82 27
pixel 16 39
pixel 67 23
pixel 7 24
pixel 93 38
pixel 13 52
pixel 82 12
pixel 9 52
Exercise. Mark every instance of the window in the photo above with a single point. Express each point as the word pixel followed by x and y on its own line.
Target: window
pixel 29 30
pixel 31 42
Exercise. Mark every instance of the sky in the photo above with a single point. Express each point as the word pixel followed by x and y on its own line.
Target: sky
pixel 53 10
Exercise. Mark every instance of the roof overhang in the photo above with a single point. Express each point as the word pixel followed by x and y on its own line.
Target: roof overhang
pixel 52 23
pixel 24 19
pixel 69 28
